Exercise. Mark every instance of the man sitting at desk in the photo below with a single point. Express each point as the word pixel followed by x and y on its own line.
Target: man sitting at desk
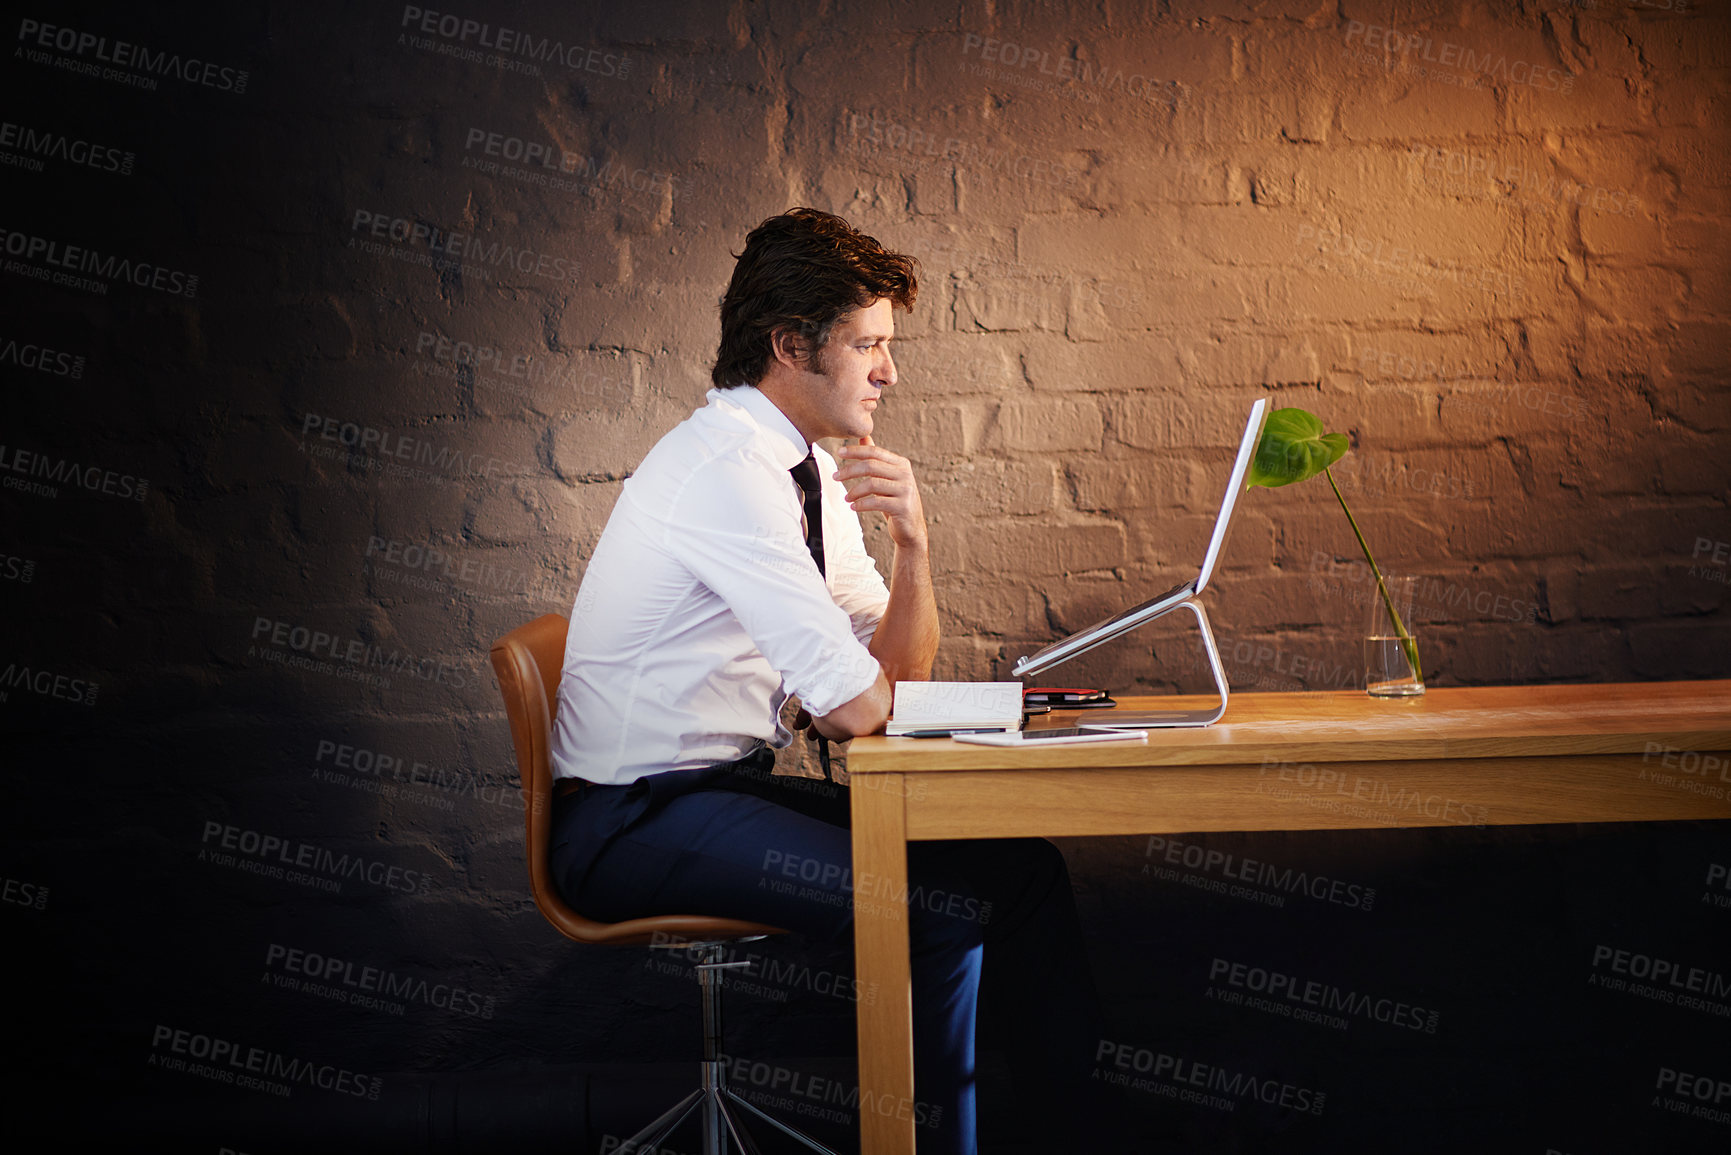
pixel 732 572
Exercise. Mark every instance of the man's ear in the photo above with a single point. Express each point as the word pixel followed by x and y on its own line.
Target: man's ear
pixel 790 348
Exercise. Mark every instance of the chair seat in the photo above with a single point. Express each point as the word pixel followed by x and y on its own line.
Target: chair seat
pixel 657 929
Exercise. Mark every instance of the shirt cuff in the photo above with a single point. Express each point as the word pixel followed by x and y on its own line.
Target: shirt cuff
pixel 852 673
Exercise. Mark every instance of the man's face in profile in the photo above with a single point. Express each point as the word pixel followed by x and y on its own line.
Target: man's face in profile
pixel 850 371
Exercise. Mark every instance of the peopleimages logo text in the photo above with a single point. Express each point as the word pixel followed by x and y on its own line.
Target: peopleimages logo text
pixel 533 154
pixel 276 850
pixel 58 146
pixel 65 471
pixel 319 645
pixel 364 980
pixel 1326 996
pixel 513 42
pixel 231 1062
pixel 47 684
pixel 42 359
pixel 78 259
pixel 1318 886
pixel 448 461
pixel 1420 46
pixel 123 54
pixel 460 246
pixel 1063 67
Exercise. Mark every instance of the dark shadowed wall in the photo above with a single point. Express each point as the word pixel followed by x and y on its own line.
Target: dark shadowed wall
pixel 332 330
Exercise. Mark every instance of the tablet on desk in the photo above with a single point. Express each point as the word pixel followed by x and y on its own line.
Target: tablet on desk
pixel 1054 737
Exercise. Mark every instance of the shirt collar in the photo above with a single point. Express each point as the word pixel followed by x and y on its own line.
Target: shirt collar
pixel 787 444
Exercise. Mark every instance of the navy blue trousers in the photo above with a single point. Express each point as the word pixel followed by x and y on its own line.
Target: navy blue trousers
pixel 996 945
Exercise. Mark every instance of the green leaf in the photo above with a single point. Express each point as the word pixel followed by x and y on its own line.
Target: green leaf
pixel 1294 448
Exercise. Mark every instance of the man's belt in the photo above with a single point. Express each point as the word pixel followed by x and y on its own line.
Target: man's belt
pixel 760 762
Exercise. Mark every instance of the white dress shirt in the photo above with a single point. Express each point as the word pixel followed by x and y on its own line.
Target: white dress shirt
pixel 702 610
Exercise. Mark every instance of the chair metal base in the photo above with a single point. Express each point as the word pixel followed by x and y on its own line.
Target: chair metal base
pixel 717 1103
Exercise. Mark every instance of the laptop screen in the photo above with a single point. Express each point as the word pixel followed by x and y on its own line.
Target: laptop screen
pixel 1240 469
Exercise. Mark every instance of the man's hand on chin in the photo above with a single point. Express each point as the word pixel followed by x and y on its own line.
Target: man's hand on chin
pixel 878 479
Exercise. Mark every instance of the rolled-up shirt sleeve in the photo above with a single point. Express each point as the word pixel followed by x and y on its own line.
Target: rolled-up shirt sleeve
pixel 739 534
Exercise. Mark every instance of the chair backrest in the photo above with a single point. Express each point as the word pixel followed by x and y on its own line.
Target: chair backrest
pixel 529 661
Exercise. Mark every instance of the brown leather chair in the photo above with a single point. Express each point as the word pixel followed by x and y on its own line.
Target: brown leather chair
pixel 528 662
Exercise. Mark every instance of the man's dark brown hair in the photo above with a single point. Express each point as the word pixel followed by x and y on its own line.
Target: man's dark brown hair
pixel 800 272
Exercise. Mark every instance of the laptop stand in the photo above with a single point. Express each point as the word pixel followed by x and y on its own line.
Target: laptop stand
pixel 1158 719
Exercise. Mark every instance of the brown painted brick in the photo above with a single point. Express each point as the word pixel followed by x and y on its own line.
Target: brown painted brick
pixel 970 659
pixel 1169 177
pixel 1081 603
pixel 1248 234
pixel 959 364
pixel 950 539
pixel 1282 599
pixel 1043 552
pixel 1693 589
pixel 1439 478
pixel 1377 417
pixel 987 487
pixel 1177 421
pixel 1249 359
pixel 985 604
pixel 1380 105
pixel 1646 296
pixel 924 432
pixel 1127 363
pixel 1691 463
pixel 1313 291
pixel 1696 236
pixel 1008 304
pixel 1699 407
pixel 1696 350
pixel 1580 654
pixel 1598 98
pixel 608 444
pixel 1698 171
pixel 1677 45
pixel 1086 312
pixel 1618 235
pixel 1053 425
pixel 1641 529
pixel 1141 481
pixel 1181 541
pixel 1679 649
pixel 1618 351
pixel 1098 246
pixel 1427 358
pixel 418 512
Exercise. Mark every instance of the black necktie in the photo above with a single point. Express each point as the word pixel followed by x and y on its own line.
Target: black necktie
pixel 811 500
pixel 811 489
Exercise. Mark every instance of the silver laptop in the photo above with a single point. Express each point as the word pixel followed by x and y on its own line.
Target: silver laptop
pixel 1179 595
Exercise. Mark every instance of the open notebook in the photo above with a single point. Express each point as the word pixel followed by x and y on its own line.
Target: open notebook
pixel 955 706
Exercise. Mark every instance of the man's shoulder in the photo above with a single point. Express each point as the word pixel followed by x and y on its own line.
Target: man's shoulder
pixel 717 445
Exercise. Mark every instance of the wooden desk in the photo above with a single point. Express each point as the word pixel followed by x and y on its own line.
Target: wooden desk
pixel 1479 756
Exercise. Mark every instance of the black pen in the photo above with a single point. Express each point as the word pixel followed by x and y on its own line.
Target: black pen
pixel 947 733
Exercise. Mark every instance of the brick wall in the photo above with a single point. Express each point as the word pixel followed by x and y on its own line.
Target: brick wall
pixel 1483 244
pixel 449 294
